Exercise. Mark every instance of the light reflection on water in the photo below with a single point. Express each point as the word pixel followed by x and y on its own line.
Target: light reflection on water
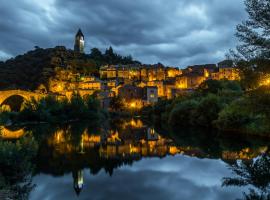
pixel 130 160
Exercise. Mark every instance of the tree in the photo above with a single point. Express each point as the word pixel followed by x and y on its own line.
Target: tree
pixel 96 54
pixel 255 173
pixel 254 32
pixel 109 56
pixel 253 52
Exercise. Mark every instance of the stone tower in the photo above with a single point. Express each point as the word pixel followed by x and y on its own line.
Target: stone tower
pixel 79 42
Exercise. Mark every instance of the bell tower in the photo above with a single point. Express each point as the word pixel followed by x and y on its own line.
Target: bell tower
pixel 79 42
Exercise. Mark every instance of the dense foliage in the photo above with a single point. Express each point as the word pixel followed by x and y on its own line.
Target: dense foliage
pixel 50 109
pixel 110 57
pixel 227 108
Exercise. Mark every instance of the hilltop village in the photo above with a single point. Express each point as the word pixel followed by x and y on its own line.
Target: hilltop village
pixel 138 84
pixel 63 72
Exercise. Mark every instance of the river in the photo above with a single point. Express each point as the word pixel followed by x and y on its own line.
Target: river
pixel 132 160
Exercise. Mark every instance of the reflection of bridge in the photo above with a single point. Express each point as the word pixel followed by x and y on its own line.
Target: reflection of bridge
pixel 11 134
pixel 26 95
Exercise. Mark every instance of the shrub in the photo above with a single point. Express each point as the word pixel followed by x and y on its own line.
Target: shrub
pixel 183 113
pixel 208 110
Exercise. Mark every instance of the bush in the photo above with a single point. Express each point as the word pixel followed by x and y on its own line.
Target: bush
pixel 208 110
pixel 215 86
pixel 233 116
pixel 241 116
pixel 183 113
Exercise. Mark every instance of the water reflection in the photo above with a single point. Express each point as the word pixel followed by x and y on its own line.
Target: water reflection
pixel 16 168
pixel 69 151
pixel 78 181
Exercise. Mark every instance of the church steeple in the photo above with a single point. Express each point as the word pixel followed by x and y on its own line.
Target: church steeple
pixel 79 42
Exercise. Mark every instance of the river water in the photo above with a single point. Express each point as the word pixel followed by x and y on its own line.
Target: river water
pixel 131 160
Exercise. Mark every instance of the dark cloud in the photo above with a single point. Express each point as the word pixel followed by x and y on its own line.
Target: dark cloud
pixel 172 32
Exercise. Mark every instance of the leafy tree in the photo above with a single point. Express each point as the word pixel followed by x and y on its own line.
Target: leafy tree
pixel 253 53
pixel 208 110
pixel 254 32
pixel 255 173
pixel 96 54
pixel 183 114
pixel 216 86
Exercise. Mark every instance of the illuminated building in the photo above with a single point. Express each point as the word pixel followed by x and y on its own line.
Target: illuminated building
pixel 90 83
pixel 172 72
pixel 150 94
pixel 227 71
pixel 160 86
pixel 189 81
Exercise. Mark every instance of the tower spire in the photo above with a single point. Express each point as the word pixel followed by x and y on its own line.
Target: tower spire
pixel 79 42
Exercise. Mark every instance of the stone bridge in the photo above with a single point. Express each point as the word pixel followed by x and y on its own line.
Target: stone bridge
pixel 26 95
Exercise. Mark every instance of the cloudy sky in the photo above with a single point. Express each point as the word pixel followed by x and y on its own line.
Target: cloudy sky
pixel 173 32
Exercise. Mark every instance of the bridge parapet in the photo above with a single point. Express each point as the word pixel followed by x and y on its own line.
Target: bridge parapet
pixel 27 95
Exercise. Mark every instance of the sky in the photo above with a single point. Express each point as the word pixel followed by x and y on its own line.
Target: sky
pixel 173 32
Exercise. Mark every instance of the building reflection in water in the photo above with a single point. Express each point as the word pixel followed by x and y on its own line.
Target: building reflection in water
pixel 78 181
pixel 67 151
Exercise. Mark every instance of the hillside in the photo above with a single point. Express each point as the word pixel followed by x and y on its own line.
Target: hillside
pixel 35 67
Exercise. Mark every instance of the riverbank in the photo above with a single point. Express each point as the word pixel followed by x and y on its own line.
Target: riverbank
pixel 220 105
pixel 51 110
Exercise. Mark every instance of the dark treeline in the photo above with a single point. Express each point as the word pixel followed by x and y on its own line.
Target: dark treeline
pixel 110 57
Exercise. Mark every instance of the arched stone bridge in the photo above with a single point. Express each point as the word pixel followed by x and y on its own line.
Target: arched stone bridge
pixel 26 95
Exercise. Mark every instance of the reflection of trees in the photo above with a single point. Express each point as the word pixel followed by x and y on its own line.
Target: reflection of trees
pixel 255 173
pixel 16 167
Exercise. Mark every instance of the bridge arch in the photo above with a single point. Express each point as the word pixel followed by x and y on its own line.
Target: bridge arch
pixel 24 95
pixel 13 102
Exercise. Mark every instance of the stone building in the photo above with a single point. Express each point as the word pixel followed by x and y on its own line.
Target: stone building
pixel 130 92
pixel 150 94
pixel 191 80
pixel 90 83
pixel 160 86
pixel 137 72
pixel 79 42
